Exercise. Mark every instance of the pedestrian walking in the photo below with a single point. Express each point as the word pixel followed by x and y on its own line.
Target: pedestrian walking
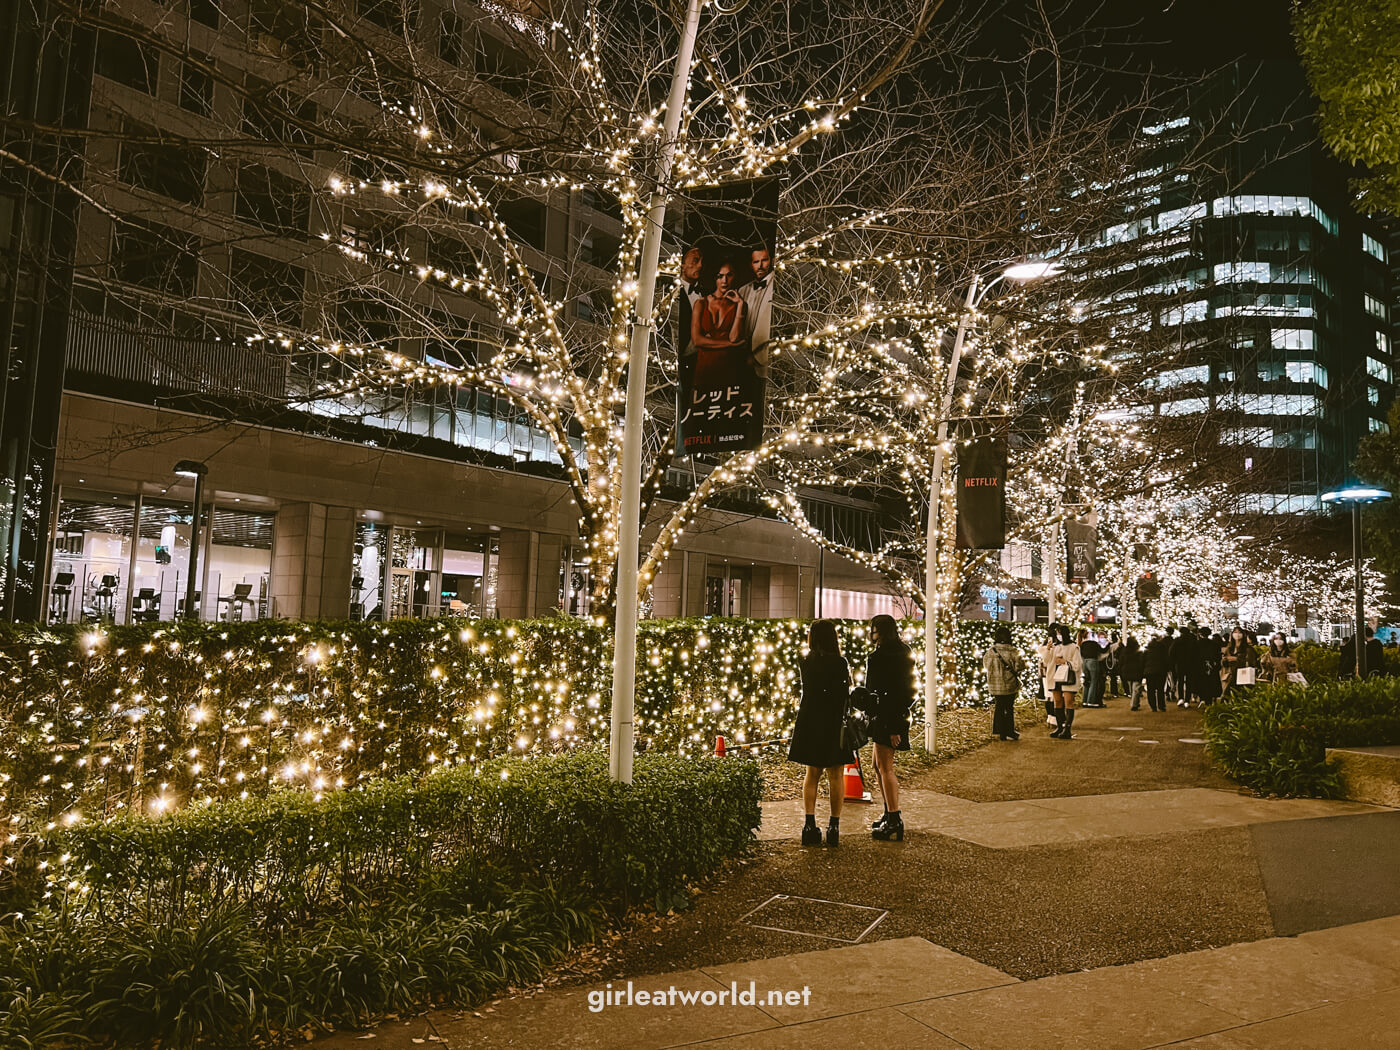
pixel 1205 686
pixel 1130 666
pixel 1004 665
pixel 1241 660
pixel 1156 662
pixel 1091 658
pixel 889 676
pixel 1278 661
pixel 1065 681
pixel 1183 656
pixel 1113 666
pixel 816 737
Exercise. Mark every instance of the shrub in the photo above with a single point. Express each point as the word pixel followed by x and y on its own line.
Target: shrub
pixel 93 722
pixel 228 923
pixel 1273 738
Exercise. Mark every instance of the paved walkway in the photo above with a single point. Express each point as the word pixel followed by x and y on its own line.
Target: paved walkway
pixel 1336 988
pixel 1024 910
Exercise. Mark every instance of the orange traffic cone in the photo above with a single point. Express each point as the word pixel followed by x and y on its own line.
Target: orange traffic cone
pixel 719 747
pixel 855 784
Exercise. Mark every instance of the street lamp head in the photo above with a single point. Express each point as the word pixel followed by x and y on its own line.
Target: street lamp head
pixel 1031 270
pixel 1355 494
pixel 189 468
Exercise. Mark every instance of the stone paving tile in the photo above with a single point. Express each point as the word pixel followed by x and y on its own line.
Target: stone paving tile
pixel 886 1029
pixel 1109 1009
pixel 1370 1022
pixel 562 1020
pixel 1377 941
pixel 1264 979
pixel 862 977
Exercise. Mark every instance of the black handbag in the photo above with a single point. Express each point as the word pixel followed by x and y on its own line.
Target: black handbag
pixel 855 723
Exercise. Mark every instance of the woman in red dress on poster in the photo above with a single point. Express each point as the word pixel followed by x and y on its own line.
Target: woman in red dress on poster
pixel 719 332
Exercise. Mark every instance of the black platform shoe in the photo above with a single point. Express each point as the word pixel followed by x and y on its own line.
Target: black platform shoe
pixel 833 837
pixel 892 829
pixel 811 835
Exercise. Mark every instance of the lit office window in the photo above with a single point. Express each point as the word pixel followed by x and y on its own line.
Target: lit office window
pixel 1276 404
pixel 1378 370
pixel 1376 308
pixel 1373 247
pixel 1247 436
pixel 1292 338
pixel 1187 406
pixel 1232 272
pixel 1181 376
pixel 1379 426
pixel 1383 344
pixel 1306 372
pixel 1373 395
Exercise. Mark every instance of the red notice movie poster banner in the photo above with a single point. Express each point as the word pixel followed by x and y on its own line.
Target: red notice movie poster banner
pixel 724 306
pixel 982 494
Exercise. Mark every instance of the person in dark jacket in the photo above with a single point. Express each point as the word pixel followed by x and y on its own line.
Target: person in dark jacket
pixel 1182 654
pixel 1205 669
pixel 1091 652
pixel 1130 666
pixel 1156 663
pixel 889 676
pixel 1375 657
pixel 816 738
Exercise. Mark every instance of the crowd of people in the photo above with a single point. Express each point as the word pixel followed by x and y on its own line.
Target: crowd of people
pixel 1188 665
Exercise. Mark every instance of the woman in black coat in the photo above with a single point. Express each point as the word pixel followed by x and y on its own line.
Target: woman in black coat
pixel 889 676
pixel 816 738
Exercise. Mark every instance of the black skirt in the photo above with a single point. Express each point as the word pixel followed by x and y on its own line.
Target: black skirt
pixel 816 738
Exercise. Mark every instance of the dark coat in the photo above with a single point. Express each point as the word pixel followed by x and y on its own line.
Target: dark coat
pixel 889 675
pixel 1131 664
pixel 816 738
pixel 1157 656
pixel 1183 654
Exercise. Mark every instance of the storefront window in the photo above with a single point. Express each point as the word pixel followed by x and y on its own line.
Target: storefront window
pixel 89 582
pixel 240 558
pixel 367 575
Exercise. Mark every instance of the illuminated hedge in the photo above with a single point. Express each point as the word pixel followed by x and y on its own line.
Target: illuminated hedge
pixel 96 721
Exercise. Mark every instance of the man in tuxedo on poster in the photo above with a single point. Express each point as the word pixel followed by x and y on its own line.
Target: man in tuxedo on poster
pixel 689 291
pixel 758 297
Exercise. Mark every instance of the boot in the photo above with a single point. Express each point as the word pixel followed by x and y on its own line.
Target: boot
pixel 1069 721
pixel 833 834
pixel 811 834
pixel 883 818
pixel 892 829
pixel 1060 724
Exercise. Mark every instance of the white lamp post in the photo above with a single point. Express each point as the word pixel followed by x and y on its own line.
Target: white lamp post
pixel 189 468
pixel 1356 495
pixel 1029 270
pixel 620 740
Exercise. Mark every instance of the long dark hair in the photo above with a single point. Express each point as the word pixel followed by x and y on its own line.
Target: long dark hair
pixel 821 638
pixel 886 630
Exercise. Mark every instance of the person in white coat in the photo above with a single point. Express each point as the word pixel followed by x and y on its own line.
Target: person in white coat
pixel 1063 680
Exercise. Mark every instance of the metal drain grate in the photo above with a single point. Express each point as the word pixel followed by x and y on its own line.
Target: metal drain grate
pixel 812 917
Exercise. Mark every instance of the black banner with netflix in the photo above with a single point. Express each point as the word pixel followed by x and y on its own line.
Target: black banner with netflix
pixel 982 494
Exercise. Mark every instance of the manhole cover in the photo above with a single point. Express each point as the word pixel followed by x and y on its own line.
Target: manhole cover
pixel 811 917
pixel 1190 740
pixel 1126 729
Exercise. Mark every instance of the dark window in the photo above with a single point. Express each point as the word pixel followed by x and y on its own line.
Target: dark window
pixel 397 16
pixel 158 258
pixel 172 171
pixel 196 88
pixel 525 220
pixel 122 59
pixel 363 320
pixel 452 256
pixel 205 12
pixel 597 248
pixel 270 115
pixel 269 290
pixel 450 38
pixel 285 29
pixel 503 67
pixel 276 202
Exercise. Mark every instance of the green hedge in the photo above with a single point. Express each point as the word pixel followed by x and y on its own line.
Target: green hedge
pixel 1273 738
pixel 153 716
pixel 234 921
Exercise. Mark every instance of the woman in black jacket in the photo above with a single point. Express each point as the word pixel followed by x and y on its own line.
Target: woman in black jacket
pixel 816 738
pixel 889 676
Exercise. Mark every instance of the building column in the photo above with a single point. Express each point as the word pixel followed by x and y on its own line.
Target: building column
pixel 513 574
pixel 312 552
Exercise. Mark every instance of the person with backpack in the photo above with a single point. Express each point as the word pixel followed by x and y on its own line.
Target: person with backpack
pixel 1004 665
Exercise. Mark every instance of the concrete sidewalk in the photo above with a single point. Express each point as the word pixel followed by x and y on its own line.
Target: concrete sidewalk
pixel 1336 988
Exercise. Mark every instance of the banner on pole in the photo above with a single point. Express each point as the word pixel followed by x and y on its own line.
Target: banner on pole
pixel 1081 550
pixel 982 494
pixel 724 309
